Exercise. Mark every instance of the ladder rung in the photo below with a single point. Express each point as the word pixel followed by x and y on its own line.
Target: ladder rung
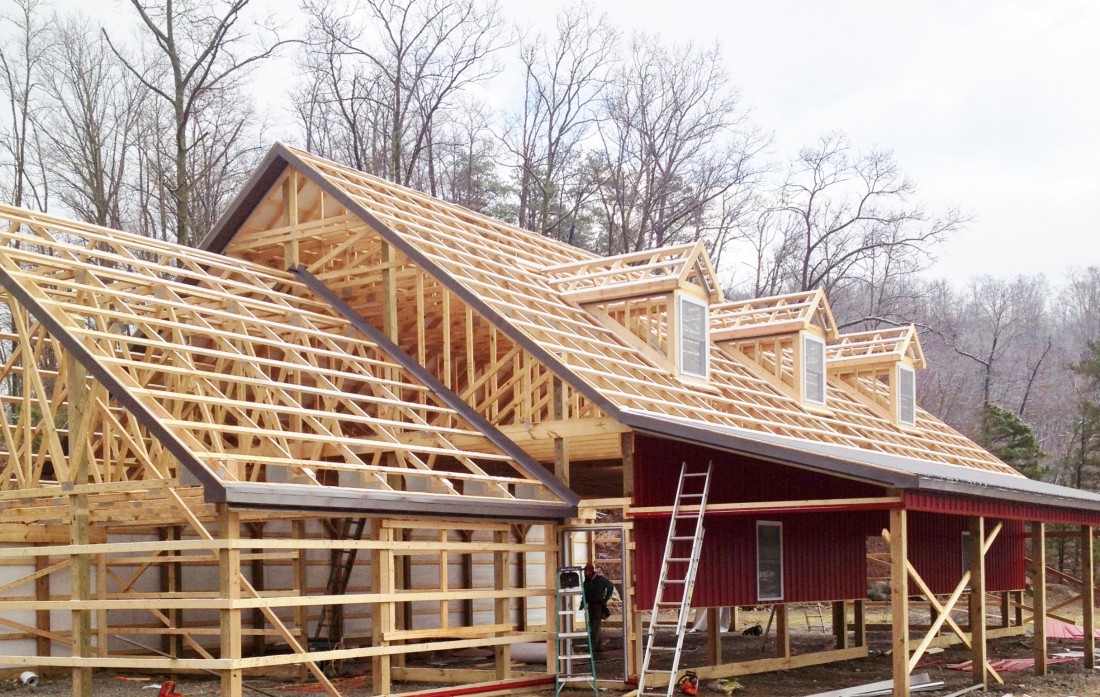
pixel 572 635
pixel 680 538
pixel 574 656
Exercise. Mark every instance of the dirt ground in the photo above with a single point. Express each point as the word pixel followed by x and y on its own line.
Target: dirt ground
pixel 808 634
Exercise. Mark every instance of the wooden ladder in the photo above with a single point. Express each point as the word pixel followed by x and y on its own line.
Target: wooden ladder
pixel 343 562
pixel 678 568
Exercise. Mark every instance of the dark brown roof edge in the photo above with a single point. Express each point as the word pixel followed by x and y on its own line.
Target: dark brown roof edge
pixel 242 205
pixel 524 461
pixel 213 488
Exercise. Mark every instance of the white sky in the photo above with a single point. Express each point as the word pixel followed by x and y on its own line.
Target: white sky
pixel 992 107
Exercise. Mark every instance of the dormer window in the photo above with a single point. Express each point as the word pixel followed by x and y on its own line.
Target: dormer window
pixel 813 370
pixel 693 337
pixel 907 395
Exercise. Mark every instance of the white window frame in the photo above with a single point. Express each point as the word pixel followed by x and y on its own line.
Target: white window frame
pixel 901 399
pixel 681 299
pixel 805 371
pixel 769 524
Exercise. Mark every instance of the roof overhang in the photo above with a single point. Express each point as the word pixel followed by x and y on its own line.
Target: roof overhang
pixel 902 473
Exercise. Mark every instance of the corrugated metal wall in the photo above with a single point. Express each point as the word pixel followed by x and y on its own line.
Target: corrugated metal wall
pixel 936 551
pixel 1005 509
pixel 736 479
pixel 824 553
pixel 824 557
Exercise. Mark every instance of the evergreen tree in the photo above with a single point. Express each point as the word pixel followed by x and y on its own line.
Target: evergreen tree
pixel 1012 440
pixel 1083 456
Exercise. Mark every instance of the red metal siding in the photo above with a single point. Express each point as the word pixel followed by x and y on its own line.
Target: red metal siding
pixel 936 551
pixel 736 479
pixel 824 557
pixel 1004 509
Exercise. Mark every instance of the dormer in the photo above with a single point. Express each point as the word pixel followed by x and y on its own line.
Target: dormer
pixel 880 366
pixel 785 336
pixel 657 301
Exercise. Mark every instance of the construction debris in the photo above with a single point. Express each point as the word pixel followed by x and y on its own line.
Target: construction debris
pixel 917 683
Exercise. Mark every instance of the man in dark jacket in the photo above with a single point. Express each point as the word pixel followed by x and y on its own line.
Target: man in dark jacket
pixel 597 591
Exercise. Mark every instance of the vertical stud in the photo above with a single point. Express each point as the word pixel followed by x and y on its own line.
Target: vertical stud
pixel 899 599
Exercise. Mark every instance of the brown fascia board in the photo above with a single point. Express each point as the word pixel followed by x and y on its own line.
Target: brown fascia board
pixel 242 205
pixel 524 461
pixel 213 487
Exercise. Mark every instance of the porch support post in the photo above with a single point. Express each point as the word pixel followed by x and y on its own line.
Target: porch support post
pixel 899 600
pixel 1088 596
pixel 978 652
pixel 840 623
pixel 859 616
pixel 714 636
pixel 782 631
pixel 1039 602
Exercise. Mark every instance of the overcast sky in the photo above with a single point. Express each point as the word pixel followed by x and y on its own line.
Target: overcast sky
pixel 990 106
pixel 993 107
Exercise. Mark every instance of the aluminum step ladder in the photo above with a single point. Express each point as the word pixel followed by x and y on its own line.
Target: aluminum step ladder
pixel 574 664
pixel 678 568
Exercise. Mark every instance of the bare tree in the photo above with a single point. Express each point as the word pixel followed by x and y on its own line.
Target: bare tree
pixel 564 78
pixel 675 143
pixel 389 69
pixel 198 54
pixel 21 57
pixel 95 108
pixel 845 218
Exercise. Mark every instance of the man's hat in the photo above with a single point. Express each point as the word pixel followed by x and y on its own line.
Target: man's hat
pixel 589 569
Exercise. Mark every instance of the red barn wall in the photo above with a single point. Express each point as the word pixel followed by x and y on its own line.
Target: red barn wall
pixel 824 553
pixel 935 550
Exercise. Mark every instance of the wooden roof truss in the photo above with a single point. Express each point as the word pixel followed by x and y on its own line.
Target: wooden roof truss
pixel 242 373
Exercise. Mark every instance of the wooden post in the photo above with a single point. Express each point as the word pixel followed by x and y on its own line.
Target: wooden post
pixel 561 445
pixel 301 586
pixel 1088 596
pixel 1018 607
pixel 43 644
pixel 1039 602
pixel 171 582
pixel 714 636
pixel 840 623
pixel 382 614
pixel 899 600
pixel 80 533
pixel 229 574
pixel 978 650
pixel 631 617
pixel 551 563
pixel 257 571
pixel 859 613
pixel 1006 608
pixel 502 655
pixel 626 442
pixel 782 632
pixel 734 618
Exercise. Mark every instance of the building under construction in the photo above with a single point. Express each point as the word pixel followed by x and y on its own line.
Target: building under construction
pixel 363 425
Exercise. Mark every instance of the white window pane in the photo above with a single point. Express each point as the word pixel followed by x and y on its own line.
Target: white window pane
pixel 907 395
pixel 693 338
pixel 813 358
pixel 769 561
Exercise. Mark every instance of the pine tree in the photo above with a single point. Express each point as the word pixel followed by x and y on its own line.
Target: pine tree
pixel 1083 457
pixel 1012 440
